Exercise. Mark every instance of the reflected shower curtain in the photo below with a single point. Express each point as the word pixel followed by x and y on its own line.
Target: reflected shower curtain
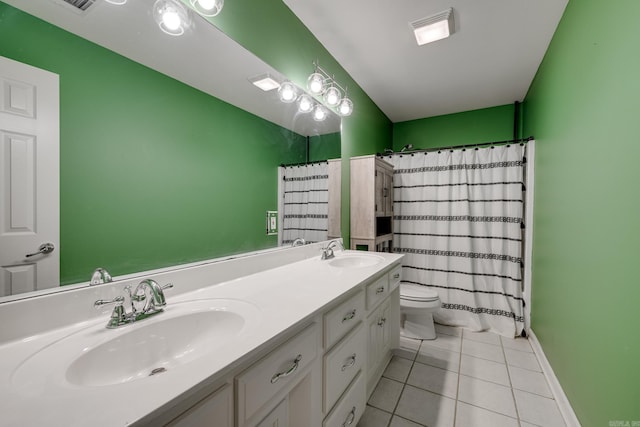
pixel 304 195
pixel 459 222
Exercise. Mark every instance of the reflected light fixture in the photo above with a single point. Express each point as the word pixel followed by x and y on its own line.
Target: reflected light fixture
pixel 433 28
pixel 265 82
pixel 116 2
pixel 287 92
pixel 207 7
pixel 319 113
pixel 305 103
pixel 171 16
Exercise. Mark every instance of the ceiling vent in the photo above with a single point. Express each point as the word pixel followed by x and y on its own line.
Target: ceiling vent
pixel 78 5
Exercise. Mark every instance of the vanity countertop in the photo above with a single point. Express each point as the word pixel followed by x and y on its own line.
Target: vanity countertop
pixel 283 297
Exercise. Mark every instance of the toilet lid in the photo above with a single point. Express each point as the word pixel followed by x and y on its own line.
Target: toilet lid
pixel 417 293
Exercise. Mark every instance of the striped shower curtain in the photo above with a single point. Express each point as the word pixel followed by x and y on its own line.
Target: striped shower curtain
pixel 304 197
pixel 459 221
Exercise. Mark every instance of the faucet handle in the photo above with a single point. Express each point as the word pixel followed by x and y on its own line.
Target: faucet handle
pixel 119 300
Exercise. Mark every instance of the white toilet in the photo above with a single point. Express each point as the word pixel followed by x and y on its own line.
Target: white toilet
pixel 417 305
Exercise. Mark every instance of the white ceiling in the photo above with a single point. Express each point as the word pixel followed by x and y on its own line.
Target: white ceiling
pixel 204 57
pixel 490 60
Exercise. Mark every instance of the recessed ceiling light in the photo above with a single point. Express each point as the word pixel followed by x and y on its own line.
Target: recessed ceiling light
pixel 433 28
pixel 265 82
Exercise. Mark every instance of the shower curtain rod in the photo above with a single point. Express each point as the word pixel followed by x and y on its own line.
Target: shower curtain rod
pixel 455 147
pixel 304 163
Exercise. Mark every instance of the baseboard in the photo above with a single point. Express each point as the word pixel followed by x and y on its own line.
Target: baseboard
pixel 566 410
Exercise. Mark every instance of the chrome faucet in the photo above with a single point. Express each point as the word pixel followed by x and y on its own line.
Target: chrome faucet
pixel 146 300
pixel 100 276
pixel 327 253
pixel 298 242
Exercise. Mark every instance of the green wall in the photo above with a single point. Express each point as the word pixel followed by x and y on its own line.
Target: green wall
pixel 324 147
pixel 469 127
pixel 153 172
pixel 583 108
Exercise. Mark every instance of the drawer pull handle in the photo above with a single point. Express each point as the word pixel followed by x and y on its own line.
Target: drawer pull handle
pixel 382 321
pixel 350 363
pixel 350 418
pixel 380 290
pixel 350 315
pixel 396 276
pixel 288 372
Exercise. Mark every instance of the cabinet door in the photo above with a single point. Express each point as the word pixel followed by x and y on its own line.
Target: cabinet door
pixel 379 192
pixel 379 336
pixel 387 193
pixel 279 417
pixel 215 410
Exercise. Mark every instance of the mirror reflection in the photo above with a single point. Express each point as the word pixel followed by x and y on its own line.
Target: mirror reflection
pixel 168 154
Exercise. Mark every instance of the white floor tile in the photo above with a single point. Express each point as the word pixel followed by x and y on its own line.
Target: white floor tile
pixel 386 394
pixel 521 344
pixel 446 342
pixel 448 330
pixel 487 395
pixel 483 369
pixel 485 337
pixel 531 381
pixel 408 348
pixel 396 421
pixel 468 415
pixel 434 379
pixel 483 350
pixel 398 369
pixel 374 417
pixel 436 356
pixel 538 410
pixel 426 408
pixel 522 359
pixel 525 424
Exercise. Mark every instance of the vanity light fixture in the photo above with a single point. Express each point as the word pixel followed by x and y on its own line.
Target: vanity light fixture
pixel 265 82
pixel 171 16
pixel 207 7
pixel 288 92
pixel 320 83
pixel 434 27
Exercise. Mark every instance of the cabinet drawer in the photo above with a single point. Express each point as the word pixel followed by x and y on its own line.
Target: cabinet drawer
pixel 342 364
pixel 351 407
pixel 377 291
pixel 279 369
pixel 395 276
pixel 279 417
pixel 342 319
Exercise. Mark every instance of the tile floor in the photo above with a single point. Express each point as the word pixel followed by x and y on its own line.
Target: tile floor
pixel 462 379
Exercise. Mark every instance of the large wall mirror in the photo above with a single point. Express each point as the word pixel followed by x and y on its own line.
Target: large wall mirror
pixel 168 153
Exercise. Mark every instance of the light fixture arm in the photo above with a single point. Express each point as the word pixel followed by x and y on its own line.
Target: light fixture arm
pixel 327 78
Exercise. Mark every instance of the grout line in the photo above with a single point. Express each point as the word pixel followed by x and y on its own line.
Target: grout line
pixel 455 408
pixel 513 394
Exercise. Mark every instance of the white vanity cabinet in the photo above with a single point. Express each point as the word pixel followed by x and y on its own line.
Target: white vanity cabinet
pixel 274 377
pixel 215 410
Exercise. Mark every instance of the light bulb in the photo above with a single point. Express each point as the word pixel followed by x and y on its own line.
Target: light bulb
pixel 287 92
pixel 171 17
pixel 207 7
pixel 315 83
pixel 320 113
pixel 345 108
pixel 332 96
pixel 305 103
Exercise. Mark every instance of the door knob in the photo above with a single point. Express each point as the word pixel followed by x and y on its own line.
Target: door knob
pixel 45 248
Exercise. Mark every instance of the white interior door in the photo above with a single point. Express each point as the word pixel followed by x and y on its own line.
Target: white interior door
pixel 29 178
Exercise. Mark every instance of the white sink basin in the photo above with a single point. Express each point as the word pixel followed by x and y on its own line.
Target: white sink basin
pixel 97 356
pixel 355 261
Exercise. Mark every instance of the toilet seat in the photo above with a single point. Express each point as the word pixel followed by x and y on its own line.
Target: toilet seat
pixel 417 293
